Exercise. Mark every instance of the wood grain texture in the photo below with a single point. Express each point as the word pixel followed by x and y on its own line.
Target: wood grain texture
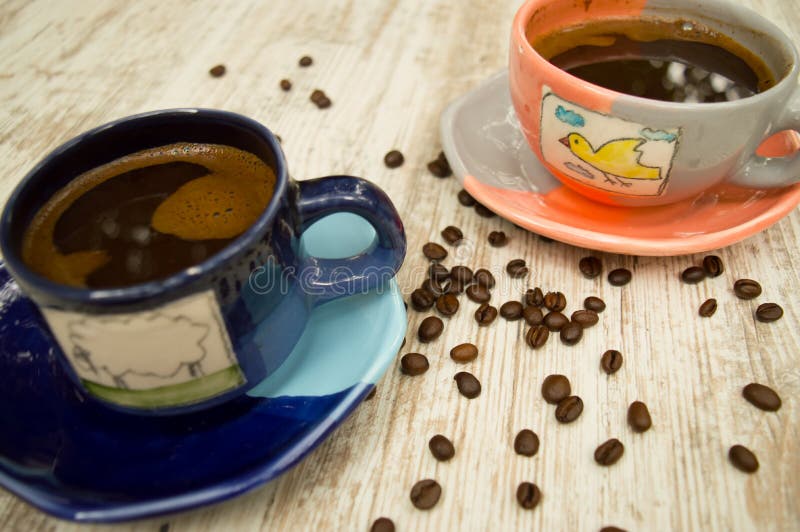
pixel 390 67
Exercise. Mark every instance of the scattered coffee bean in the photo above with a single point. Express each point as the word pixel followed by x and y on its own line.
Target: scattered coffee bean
pixel 320 99
pixel 414 364
pixel 743 459
pixel 708 308
pixel 534 297
pixel 555 321
pixel 438 272
pixel 441 448
pixel 619 277
pixel 371 393
pixel 461 274
pixel 693 275
pixel 463 353
pixel 555 301
pixel 611 361
pixel 286 85
pixel 537 336
pixel 455 287
pixel 430 329
pixel 447 304
pixel 569 409
pixel 425 494
pixel 452 234
pixel 440 167
pixel 639 417
pixel 571 333
pixel 762 396
pixel 497 239
pixel 393 159
pixel 511 310
pixel 478 293
pixel 528 495
pixel 434 287
pixel 467 384
pixel 533 315
pixel 585 318
pixel 746 289
pixel 713 266
pixel 483 211
pixel 769 312
pixel 526 443
pixel 434 251
pixel 594 303
pixel 555 388
pixel 517 268
pixel 217 71
pixel 485 314
pixel 609 453
pixel 382 524
pixel 484 278
pixel 590 267
pixel 465 199
pixel 305 61
pixel 422 300
pixel 612 529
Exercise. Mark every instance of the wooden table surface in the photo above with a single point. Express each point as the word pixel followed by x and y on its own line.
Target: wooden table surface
pixel 390 68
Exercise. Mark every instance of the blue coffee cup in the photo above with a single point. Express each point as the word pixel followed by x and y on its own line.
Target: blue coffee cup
pixel 216 329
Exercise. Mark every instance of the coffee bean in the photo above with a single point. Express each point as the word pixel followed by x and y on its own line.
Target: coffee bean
pixel 485 314
pixel 693 275
pixel 555 388
pixel 571 333
pixel 528 495
pixel 441 448
pixel 533 315
pixel 393 159
pixel 611 361
pixel 585 318
pixel 594 303
pixel 286 85
pixel 425 494
pixel 612 529
pixel 511 310
pixel 422 300
pixel 517 268
pixel 447 304
pixel 434 287
pixel 708 308
pixel 461 274
pixel 555 321
pixel 619 277
pixel 465 199
pixel 497 239
pixel 452 234
pixel 590 267
pixel 463 353
pixel 305 61
pixel 746 289
pixel 382 524
pixel 481 210
pixel 713 266
pixel 537 336
pixel 609 453
pixel 743 459
pixel 484 278
pixel 467 384
pixel 526 443
pixel 569 408
pixel 478 293
pixel 434 251
pixel 455 287
pixel 534 297
pixel 440 167
pixel 762 396
pixel 438 272
pixel 217 71
pixel 555 301
pixel 320 99
pixel 769 312
pixel 372 392
pixel 414 364
pixel 430 329
pixel 639 417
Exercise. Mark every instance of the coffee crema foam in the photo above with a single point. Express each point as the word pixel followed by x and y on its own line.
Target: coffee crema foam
pixel 221 204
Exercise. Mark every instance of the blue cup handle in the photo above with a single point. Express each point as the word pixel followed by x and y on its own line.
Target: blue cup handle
pixel 327 279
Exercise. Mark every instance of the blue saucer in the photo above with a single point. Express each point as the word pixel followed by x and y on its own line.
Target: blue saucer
pixel 76 459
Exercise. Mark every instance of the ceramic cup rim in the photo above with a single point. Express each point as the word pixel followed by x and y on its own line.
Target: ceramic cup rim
pixel 175 283
pixel 718 7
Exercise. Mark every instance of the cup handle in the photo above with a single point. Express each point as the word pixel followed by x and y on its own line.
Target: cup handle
pixel 327 279
pixel 769 172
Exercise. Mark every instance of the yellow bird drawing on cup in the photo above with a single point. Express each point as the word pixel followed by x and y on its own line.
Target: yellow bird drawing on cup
pixel 617 158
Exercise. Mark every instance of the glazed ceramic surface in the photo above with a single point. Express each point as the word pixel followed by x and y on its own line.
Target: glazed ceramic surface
pixel 489 154
pixel 77 459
